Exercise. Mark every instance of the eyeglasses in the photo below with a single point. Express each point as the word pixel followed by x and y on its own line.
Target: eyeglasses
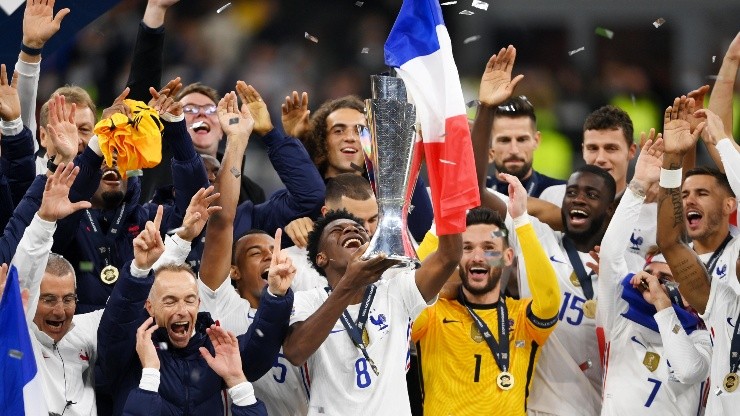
pixel 208 109
pixel 51 301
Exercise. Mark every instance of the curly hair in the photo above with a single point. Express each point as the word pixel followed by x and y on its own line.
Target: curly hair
pixel 316 138
pixel 314 237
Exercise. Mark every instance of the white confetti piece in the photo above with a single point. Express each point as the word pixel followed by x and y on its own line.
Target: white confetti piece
pixel 365 50
pixel 447 162
pixel 471 39
pixel 359 3
pixel 658 22
pixel 224 7
pixel 480 4
pixel 575 51
pixel 163 346
pixel 15 354
pixel 633 99
pixel 313 39
pixel 604 32
pixel 714 58
pixel 711 77
pixel 467 12
pixel 259 333
pixel 448 3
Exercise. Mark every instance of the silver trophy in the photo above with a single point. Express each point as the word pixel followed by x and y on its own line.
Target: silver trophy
pixel 393 166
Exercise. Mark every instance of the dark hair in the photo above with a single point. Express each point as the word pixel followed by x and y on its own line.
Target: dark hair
pixel 349 185
pixel 515 107
pixel 610 117
pixel 197 87
pixel 610 186
pixel 314 237
pixel 316 138
pixel 487 216
pixel 720 177
pixel 238 240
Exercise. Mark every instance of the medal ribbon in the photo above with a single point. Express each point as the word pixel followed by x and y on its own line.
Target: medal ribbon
pixel 575 260
pixel 106 242
pixel 355 329
pixel 716 255
pixel 500 349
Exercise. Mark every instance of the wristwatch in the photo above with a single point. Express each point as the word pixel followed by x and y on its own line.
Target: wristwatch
pixel 51 165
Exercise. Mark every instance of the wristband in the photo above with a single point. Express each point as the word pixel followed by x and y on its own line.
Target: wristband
pixel 521 220
pixel 51 165
pixel 671 178
pixel 30 51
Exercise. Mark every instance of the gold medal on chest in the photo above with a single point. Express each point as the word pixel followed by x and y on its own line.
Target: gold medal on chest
pixel 730 382
pixel 505 380
pixel 109 275
pixel 589 309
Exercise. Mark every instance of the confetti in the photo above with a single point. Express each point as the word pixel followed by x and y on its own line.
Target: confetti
pixel 711 77
pixel 86 266
pixel 411 208
pixel 365 50
pixel 471 39
pixel 714 58
pixel 467 12
pixel 236 172
pixel 15 354
pixel 480 4
pixel 633 99
pixel 313 39
pixel 359 3
pixel 448 3
pixel 519 343
pixel 448 162
pixel 259 333
pixel 473 103
pixel 604 32
pixel 658 22
pixel 224 7
pixel 575 51
pixel 162 346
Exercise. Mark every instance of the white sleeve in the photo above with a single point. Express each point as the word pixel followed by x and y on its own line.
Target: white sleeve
pixel 404 285
pixel 28 84
pixel 220 302
pixel 731 161
pixel 31 257
pixel 176 250
pixel 689 355
pixel 303 305
pixel 612 264
pixel 553 194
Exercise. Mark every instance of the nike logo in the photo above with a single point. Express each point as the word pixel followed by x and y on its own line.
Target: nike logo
pixel 554 260
pixel 729 322
pixel 634 338
pixel 448 321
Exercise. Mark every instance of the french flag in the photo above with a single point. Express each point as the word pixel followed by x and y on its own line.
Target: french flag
pixel 419 48
pixel 21 390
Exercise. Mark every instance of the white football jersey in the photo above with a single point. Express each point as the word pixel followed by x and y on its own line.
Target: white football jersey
pixel 306 277
pixel 341 380
pixel 720 317
pixel 724 269
pixel 282 389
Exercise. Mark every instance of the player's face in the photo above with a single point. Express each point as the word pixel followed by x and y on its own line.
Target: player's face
pixel 207 132
pixel 54 313
pixel 174 302
pixel 253 262
pixel 706 206
pixel 366 210
pixel 343 141
pixel 483 259
pixel 586 205
pixel 608 150
pixel 514 141
pixel 664 274
pixel 112 187
pixel 339 241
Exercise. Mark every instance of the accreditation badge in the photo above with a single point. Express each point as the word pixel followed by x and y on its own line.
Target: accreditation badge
pixel 505 380
pixel 109 274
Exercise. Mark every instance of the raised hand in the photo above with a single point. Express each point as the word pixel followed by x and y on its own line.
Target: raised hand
pixel 144 345
pixel 282 271
pixel 295 115
pixel 148 245
pixel 234 121
pixel 118 105
pixel 10 103
pixel 298 230
pixel 198 212
pixel 156 11
pixel 55 203
pixel 649 162
pixel 654 293
pixel 258 108
pixel 62 129
pixel 595 255
pixel 517 205
pixel 714 129
pixel 163 100
pixel 733 52
pixel 361 272
pixel 677 135
pixel 496 84
pixel 698 96
pixel 227 362
pixel 39 22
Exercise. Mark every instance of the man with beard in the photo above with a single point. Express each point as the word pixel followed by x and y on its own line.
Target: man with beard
pixel 482 338
pixel 514 138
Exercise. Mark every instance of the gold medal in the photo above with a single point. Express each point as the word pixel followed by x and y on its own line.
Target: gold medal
pixel 365 337
pixel 574 280
pixel 109 274
pixel 475 334
pixel 505 380
pixel 730 382
pixel 651 360
pixel 589 309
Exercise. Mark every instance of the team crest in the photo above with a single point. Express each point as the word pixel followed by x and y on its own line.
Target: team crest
pixel 721 271
pixel 381 322
pixel 636 242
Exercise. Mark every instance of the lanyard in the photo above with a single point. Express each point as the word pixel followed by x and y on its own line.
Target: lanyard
pixel 106 242
pixel 735 348
pixel 575 260
pixel 500 349
pixel 355 330
pixel 717 253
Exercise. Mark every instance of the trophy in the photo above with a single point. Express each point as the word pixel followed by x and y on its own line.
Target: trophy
pixel 393 163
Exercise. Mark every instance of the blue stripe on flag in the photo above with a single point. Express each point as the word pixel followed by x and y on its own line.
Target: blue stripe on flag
pixel 17 363
pixel 414 33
